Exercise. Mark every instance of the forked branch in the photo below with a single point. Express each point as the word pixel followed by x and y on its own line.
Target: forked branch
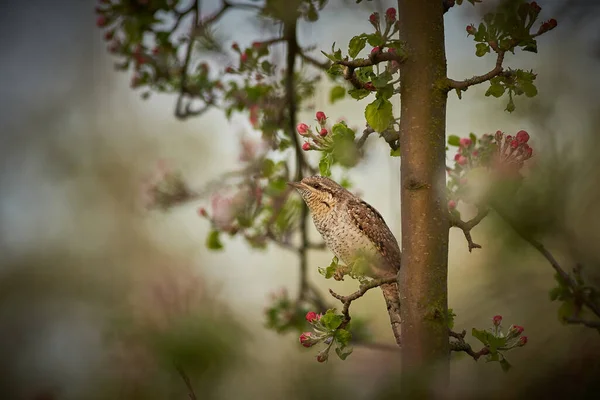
pixel 466 226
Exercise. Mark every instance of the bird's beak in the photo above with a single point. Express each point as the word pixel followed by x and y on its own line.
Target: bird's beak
pixel 297 185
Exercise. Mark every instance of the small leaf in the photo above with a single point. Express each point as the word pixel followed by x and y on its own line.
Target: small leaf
pixel 529 89
pixel 395 153
pixel 357 43
pixel 331 320
pixel 213 241
pixel 343 337
pixel 325 165
pixel 453 140
pixel 343 353
pixel 359 94
pixel 567 309
pixel 379 114
pixel 495 90
pixel 337 93
pixel 473 137
pixel 505 365
pixel 482 49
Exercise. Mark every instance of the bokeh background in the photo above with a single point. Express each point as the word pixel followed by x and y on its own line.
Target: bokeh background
pixel 98 295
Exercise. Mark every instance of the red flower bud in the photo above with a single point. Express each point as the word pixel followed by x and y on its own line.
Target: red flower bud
pixel 522 137
pixel 471 29
pixel 514 143
pixel 508 138
pixel 257 45
pixel 202 212
pixel 390 14
pixel 101 21
pixel 156 50
pixel 375 50
pixel 305 340
pixel 457 156
pixel 322 356
pixel 306 146
pixel 374 18
pixel 522 340
pixel 535 7
pixel 323 132
pixel 497 320
pixel 462 160
pixel 235 46
pixel 452 204
pixel 528 152
pixel 229 70
pixel 312 316
pixel 302 128
pixel 321 117
pixel 552 23
pixel 518 329
pixel 499 135
pixel 109 35
pixel 244 57
pixel 465 142
pixel 369 86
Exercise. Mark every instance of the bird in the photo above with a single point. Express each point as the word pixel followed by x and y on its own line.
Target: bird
pixel 352 228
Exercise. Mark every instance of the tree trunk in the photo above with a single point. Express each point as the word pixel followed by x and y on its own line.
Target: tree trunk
pixel 423 276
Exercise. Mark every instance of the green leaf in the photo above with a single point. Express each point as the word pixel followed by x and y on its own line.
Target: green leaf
pixel 495 90
pixel 343 353
pixel 567 309
pixel 213 241
pixel 505 365
pixel 382 79
pixel 482 49
pixel 331 320
pixel 330 270
pixel 375 39
pixel 529 89
pixel 555 293
pixel 357 43
pixel 336 93
pixel 453 140
pixel 510 106
pixel 395 153
pixel 481 336
pixel 268 167
pixel 335 70
pixel 343 337
pixel 379 114
pixel 359 94
pixel 529 45
pixel 473 137
pixel 325 165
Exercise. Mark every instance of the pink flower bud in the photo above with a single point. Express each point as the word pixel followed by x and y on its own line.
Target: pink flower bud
pixel 471 29
pixel 475 153
pixel 462 160
pixel 509 138
pixel 514 143
pixel 302 128
pixel 229 70
pixel 375 50
pixel 101 21
pixel 323 132
pixel 457 156
pixel 109 35
pixel 322 356
pixel 465 142
pixel 522 137
pixel 312 316
pixel 499 135
pixel 244 57
pixel 522 340
pixel 497 320
pixel 369 86
pixel 305 340
pixel 235 46
pixel 321 117
pixel 390 14
pixel 516 328
pixel 528 152
pixel 202 212
pixel 451 204
pixel 374 18
pixel 306 146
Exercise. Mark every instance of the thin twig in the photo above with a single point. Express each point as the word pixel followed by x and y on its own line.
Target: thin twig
pixel 466 226
pixel 324 65
pixel 188 383
pixel 461 345
pixel 497 70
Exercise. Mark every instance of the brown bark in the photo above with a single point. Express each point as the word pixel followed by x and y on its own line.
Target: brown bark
pixel 424 272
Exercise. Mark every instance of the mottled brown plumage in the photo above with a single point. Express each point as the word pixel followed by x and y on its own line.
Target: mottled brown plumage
pixel 351 228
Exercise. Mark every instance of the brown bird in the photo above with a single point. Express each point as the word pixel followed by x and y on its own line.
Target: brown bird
pixel 351 228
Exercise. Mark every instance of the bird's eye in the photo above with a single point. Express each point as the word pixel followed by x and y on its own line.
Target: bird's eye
pixel 317 186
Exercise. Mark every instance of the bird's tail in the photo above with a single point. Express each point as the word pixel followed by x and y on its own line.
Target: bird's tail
pixel 392 301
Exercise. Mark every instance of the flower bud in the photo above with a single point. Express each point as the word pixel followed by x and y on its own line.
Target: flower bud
pixel 514 143
pixel 323 132
pixel 516 328
pixel 229 70
pixel 374 18
pixel 475 153
pixel 471 29
pixel 306 340
pixel 522 340
pixel 375 50
pixel 323 355
pixel 101 21
pixel 235 46
pixel 202 212
pixel 535 7
pixel 312 316
pixel 496 320
pixel 522 137
pixel 451 204
pixel 499 135
pixel 390 14
pixel 109 35
pixel 369 86
pixel 465 142
pixel 321 117
pixel 462 160
pixel 302 128
pixel 306 146
pixel 243 58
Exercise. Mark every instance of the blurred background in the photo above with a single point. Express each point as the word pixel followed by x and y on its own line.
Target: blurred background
pixel 101 299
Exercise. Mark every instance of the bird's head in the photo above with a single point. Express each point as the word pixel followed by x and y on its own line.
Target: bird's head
pixel 319 192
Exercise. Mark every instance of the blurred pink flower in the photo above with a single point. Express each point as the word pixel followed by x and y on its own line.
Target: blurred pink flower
pixel 252 149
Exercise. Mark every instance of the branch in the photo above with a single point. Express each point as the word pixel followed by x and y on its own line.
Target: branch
pixel 468 225
pixel 179 113
pixel 498 69
pixel 324 65
pixel 373 59
pixel 565 276
pixel 581 321
pixel 188 384
pixel 347 300
pixel 461 345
